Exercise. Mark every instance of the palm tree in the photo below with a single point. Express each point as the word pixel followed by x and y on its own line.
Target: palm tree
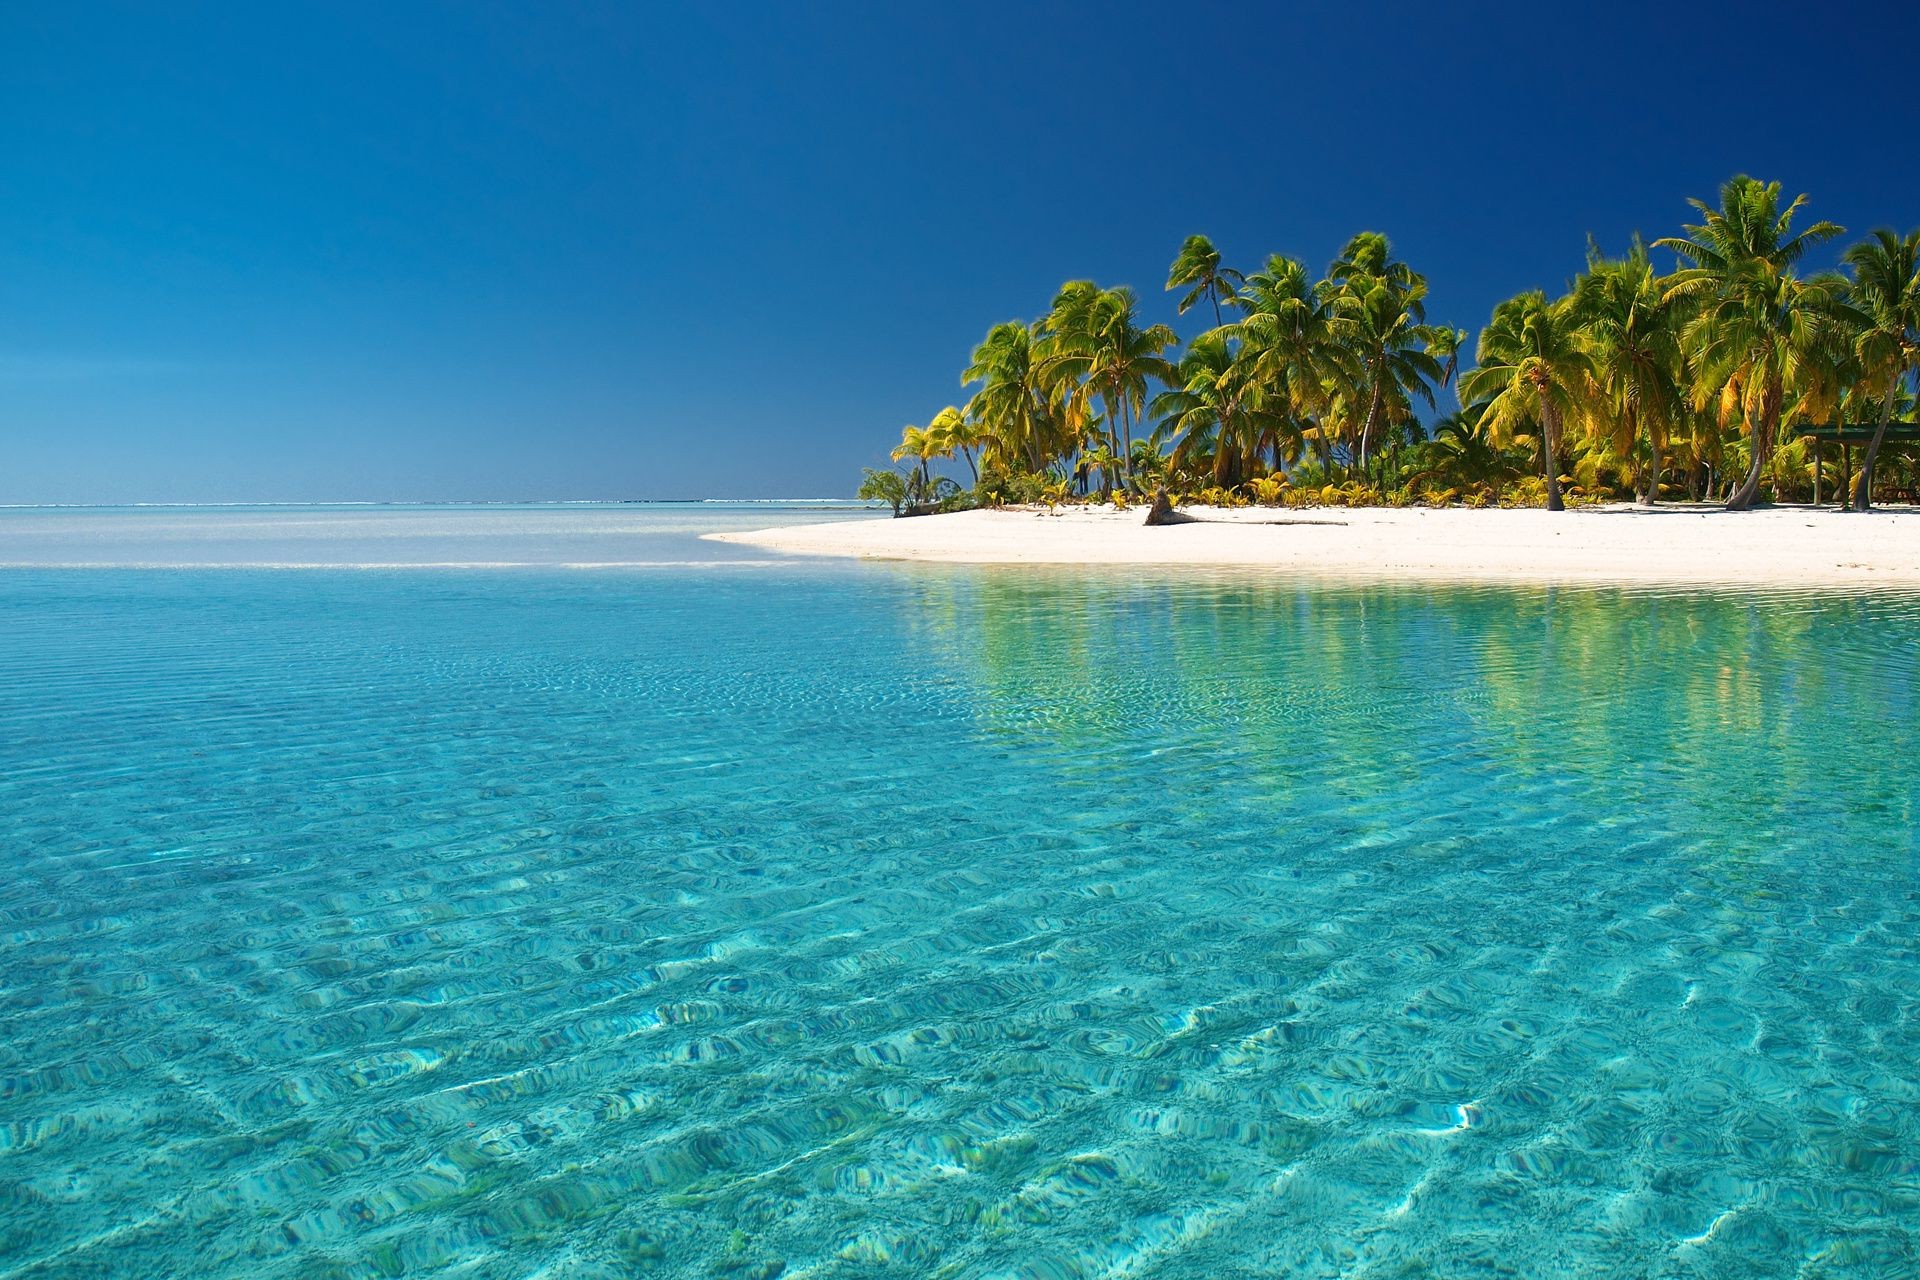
pixel 1463 450
pixel 1380 313
pixel 1063 360
pixel 1287 334
pixel 1444 346
pixel 1130 360
pixel 1098 456
pixel 1633 333
pixel 1198 265
pixel 1370 255
pixel 1532 365
pixel 1205 408
pixel 1150 462
pixel 1094 345
pixel 1010 405
pixel 955 432
pixel 921 444
pixel 1885 294
pixel 1754 320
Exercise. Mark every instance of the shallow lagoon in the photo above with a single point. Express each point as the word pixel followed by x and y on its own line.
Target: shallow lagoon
pixel 759 917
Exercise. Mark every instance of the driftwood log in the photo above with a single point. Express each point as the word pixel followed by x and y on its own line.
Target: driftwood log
pixel 1162 512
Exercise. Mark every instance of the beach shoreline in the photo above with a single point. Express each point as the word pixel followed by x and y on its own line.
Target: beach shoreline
pixel 1670 544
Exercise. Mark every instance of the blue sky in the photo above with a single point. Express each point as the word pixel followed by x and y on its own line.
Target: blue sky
pixel 412 251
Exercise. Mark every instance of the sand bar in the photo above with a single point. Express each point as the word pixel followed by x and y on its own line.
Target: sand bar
pixel 1796 546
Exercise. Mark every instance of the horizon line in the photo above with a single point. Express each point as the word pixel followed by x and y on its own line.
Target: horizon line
pixel 443 502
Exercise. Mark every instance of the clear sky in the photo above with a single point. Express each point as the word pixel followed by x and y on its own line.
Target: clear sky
pixel 389 251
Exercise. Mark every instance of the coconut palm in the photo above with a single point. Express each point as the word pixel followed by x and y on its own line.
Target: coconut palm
pixel 923 446
pixel 1632 330
pixel 1206 409
pixel 1063 359
pixel 1699 373
pixel 1197 269
pixel 1885 295
pixel 1369 255
pixel 1462 451
pixel 1010 405
pixel 1444 346
pixel 1095 346
pixel 1150 463
pixel 1287 334
pixel 1533 366
pixel 1380 314
pixel 1098 456
pixel 1754 321
pixel 954 432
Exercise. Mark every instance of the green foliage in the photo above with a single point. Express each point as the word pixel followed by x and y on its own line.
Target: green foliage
pixel 999 487
pixel 1267 490
pixel 926 496
pixel 1311 390
pixel 1198 265
pixel 1883 303
pixel 889 487
pixel 1533 366
pixel 1756 332
pixel 1463 455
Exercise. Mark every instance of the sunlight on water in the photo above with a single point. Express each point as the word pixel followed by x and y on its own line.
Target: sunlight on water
pixel 376 535
pixel 870 920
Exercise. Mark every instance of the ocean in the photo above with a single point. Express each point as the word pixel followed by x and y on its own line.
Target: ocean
pixel 545 891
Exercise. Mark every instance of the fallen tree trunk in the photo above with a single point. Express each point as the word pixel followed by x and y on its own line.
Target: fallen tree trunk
pixel 1162 512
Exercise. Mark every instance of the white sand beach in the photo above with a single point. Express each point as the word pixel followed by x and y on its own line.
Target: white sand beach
pixel 1797 546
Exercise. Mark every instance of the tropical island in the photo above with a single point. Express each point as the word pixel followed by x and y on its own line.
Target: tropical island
pixel 1733 378
pixel 1735 381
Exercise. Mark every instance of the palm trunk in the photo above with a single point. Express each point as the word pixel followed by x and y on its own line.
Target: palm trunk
pixel 1652 495
pixel 1373 419
pixel 1863 487
pixel 1550 448
pixel 1744 495
pixel 1762 447
pixel 971 466
pixel 1223 451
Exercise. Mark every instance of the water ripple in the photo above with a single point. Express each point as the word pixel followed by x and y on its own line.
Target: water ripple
pixel 961 923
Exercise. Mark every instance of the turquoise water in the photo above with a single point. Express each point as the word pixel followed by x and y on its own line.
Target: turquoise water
pixel 754 917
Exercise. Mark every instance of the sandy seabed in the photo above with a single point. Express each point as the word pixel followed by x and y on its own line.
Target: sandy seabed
pixel 1796 545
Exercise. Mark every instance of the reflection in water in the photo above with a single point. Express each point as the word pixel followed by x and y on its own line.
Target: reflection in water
pixel 837 921
pixel 1737 711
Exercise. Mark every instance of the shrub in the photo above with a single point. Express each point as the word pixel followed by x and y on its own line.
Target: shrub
pixel 889 487
pixel 999 487
pixel 1267 490
pixel 1528 491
